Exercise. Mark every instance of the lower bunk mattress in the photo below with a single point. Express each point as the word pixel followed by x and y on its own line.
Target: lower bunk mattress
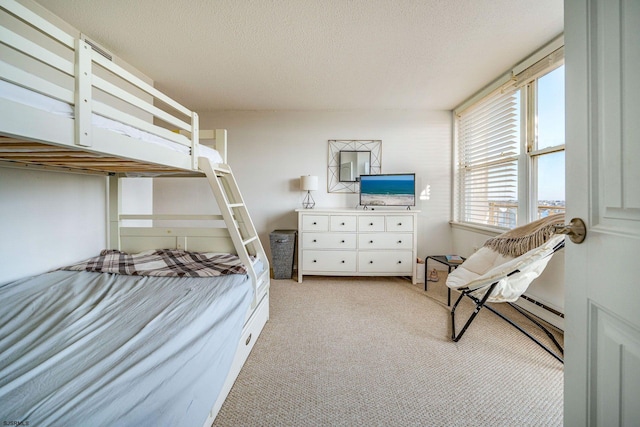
pixel 92 349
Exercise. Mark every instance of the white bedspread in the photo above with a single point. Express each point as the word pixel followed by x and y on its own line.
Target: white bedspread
pixel 95 349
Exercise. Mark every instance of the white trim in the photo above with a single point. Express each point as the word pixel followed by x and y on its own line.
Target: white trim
pixel 540 54
pixel 547 150
pixel 541 312
pixel 477 228
pixel 508 77
pixel 503 80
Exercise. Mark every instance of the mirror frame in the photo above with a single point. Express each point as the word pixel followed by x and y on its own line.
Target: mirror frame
pixel 334 185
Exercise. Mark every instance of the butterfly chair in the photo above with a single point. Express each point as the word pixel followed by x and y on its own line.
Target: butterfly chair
pixel 503 269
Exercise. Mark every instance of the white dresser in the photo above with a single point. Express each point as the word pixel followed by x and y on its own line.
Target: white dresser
pixel 350 242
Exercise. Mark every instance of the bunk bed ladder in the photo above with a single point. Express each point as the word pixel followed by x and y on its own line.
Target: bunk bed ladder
pixel 236 216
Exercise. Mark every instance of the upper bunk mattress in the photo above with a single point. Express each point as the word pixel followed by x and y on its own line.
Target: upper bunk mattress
pixel 42 102
pixel 85 348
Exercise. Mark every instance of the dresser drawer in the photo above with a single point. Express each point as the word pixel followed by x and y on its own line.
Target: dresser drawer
pixel 370 223
pixel 328 261
pixel 341 242
pixel 398 262
pixel 315 222
pixel 343 223
pixel 399 223
pixel 385 241
pixel 329 241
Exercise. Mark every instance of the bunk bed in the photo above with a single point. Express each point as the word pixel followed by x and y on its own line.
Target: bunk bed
pixel 67 105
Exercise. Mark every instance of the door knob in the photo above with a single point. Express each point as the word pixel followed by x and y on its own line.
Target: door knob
pixel 576 230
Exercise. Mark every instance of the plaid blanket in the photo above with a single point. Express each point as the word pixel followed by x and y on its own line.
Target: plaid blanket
pixel 165 262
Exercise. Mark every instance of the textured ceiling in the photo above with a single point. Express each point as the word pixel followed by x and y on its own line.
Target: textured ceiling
pixel 317 54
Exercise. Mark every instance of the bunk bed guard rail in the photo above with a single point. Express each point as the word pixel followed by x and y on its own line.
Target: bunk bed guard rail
pixel 91 72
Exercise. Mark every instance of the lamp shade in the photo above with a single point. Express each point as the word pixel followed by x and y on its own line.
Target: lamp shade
pixel 308 182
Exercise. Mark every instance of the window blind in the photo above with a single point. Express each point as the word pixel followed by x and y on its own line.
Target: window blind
pixel 554 60
pixel 488 148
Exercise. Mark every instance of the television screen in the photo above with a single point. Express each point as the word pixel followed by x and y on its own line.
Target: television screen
pixel 388 190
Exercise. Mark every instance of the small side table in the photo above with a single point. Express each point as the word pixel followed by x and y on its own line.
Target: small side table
pixel 442 259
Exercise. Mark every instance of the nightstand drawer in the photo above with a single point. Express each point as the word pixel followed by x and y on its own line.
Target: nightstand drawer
pixel 315 223
pixel 398 262
pixel 399 223
pixel 343 223
pixel 329 241
pixel 328 261
pixel 385 241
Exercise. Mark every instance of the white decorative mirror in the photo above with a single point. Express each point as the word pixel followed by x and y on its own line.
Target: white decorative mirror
pixel 348 159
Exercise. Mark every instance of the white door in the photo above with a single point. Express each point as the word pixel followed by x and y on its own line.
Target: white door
pixel 602 298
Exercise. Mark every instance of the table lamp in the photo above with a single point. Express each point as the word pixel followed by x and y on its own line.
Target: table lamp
pixel 308 183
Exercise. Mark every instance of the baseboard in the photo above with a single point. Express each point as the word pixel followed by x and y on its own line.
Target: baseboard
pixel 541 310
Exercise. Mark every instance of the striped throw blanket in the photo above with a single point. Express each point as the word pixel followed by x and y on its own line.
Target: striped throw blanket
pixel 164 262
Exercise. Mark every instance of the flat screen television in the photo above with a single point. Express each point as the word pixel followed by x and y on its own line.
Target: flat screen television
pixel 388 190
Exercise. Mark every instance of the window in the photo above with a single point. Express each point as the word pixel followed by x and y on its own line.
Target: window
pixel 510 148
pixel 488 149
pixel 546 149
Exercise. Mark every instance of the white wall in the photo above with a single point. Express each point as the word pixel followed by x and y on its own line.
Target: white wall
pixel 48 220
pixel 270 150
pixel 137 198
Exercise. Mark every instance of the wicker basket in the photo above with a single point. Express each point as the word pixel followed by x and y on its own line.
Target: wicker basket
pixel 283 243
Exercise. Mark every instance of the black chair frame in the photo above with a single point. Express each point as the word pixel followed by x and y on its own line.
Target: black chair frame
pixel 481 302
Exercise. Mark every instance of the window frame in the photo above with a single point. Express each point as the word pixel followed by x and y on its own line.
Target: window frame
pixel 533 153
pixel 525 78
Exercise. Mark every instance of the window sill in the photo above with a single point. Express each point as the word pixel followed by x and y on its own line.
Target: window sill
pixel 476 228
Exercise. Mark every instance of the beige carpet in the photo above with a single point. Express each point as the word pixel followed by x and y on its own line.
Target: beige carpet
pixel 377 352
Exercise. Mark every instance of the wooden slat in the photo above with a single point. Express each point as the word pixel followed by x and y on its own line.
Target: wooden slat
pixel 22 153
pixel 36 51
pixel 38 22
pixel 138 102
pixel 124 74
pixel 25 79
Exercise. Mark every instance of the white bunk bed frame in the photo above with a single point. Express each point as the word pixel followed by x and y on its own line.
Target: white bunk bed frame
pixel 37 139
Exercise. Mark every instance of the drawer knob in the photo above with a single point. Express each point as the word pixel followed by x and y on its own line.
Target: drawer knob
pixel 370 241
pixel 342 261
pixel 399 262
pixel 370 262
pixel 342 241
pixel 315 223
pixel 370 223
pixel 248 340
pixel 342 223
pixel 315 241
pixel 315 260
pixel 399 224
pixel 399 241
